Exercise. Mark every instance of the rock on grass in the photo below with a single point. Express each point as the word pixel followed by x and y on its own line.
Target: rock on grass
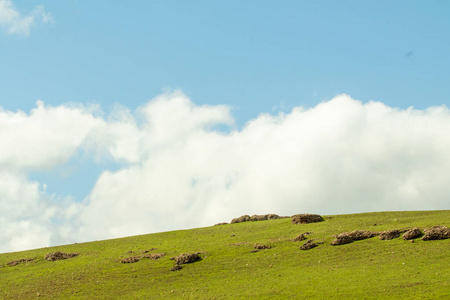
pixel 356 235
pixel 241 219
pixel 301 237
pixel 133 259
pixel 306 218
pixel 412 234
pixel 176 268
pixel 130 260
pixel 186 258
pixel 436 233
pixel 52 256
pixel 261 247
pixel 308 245
pixel 247 218
pixel 390 234
pixel 16 262
pixel 341 240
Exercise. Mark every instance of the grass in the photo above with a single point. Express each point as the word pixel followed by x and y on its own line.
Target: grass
pixel 367 269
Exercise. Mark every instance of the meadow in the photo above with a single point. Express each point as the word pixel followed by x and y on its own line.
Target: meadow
pixel 230 268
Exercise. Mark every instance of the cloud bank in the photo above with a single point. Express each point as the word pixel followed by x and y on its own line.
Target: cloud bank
pixel 16 23
pixel 178 171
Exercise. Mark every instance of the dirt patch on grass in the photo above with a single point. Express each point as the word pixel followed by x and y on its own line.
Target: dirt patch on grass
pixel 16 262
pixel 412 234
pixel 306 218
pixel 133 259
pixel 147 251
pixel 239 244
pixel 436 233
pixel 52 256
pixel 258 247
pixel 309 245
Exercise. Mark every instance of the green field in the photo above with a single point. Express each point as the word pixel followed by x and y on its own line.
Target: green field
pixel 366 269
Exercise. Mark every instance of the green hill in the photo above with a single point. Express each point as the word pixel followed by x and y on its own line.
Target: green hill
pixel 231 268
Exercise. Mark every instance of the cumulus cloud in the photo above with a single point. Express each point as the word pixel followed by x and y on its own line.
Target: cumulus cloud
pixel 16 23
pixel 178 171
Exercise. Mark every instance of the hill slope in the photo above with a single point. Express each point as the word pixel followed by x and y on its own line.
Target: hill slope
pixel 368 268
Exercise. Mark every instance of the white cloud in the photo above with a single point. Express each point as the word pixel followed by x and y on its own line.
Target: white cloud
pixel 47 137
pixel 23 217
pixel 341 156
pixel 16 23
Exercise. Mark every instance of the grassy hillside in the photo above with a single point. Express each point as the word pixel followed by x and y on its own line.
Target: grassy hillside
pixel 370 268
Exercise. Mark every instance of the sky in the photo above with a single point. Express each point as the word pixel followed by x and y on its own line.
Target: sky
pixel 120 118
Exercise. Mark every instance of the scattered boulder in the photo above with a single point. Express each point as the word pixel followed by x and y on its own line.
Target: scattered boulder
pixel 223 223
pixel 341 239
pixel 247 218
pixel 244 218
pixel 133 259
pixel 265 217
pixel 436 233
pixel 176 268
pixel 146 251
pixel 16 262
pixel 390 234
pixel 308 245
pixel 306 218
pixel 153 255
pixel 358 235
pixel 412 234
pixel 130 260
pixel 301 237
pixel 52 256
pixel 262 247
pixel 186 258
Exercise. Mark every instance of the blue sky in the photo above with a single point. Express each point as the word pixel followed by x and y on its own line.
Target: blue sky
pixel 101 61
pixel 252 55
